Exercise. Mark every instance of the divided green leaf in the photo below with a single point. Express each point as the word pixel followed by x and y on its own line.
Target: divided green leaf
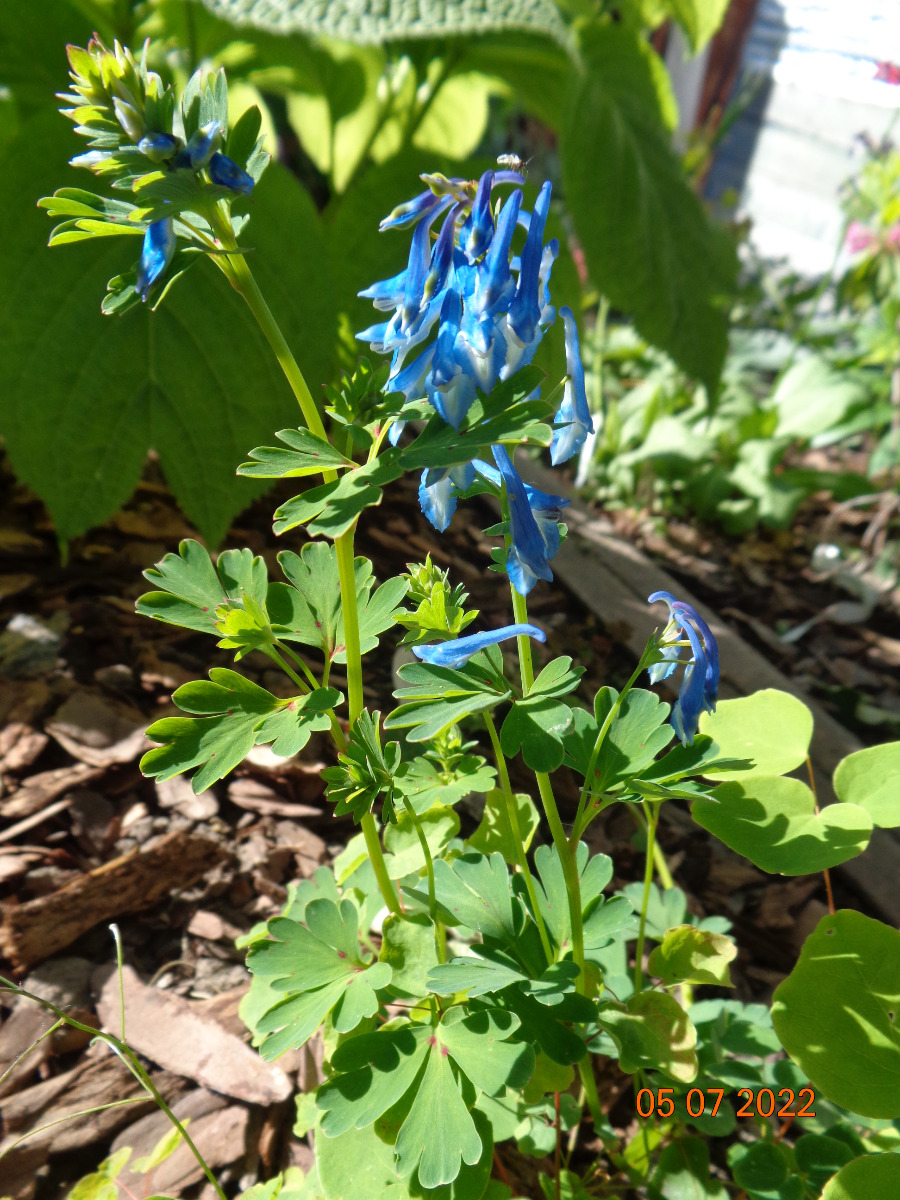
pixel 307 455
pixel 318 964
pixel 429 1076
pixel 231 715
pixel 331 508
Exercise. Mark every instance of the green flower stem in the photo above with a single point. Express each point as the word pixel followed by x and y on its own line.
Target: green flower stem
pixel 570 870
pixel 347 575
pixel 243 281
pixel 545 789
pixel 344 547
pixel 131 1061
pixel 520 617
pixel 515 830
pixel 440 941
pixel 241 277
pixel 583 816
pixel 652 822
pixel 376 854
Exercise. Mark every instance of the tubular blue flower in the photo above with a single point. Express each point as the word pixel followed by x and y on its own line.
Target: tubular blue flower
pixel 700 682
pixel 438 490
pixel 159 246
pixel 458 652
pixel 479 228
pixel 525 309
pixel 534 542
pixel 158 147
pixel 573 419
pixel 226 173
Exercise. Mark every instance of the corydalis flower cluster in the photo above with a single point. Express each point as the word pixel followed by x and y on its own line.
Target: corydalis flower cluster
pixel 129 117
pixel 467 313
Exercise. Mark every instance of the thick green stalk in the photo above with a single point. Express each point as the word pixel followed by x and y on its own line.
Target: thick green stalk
pixel 350 613
pixel 520 617
pixel 241 277
pixel 545 789
pixel 645 899
pixel 515 831
pixel 242 280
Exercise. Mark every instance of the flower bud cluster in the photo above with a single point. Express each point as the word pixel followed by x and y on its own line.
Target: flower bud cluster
pixel 135 130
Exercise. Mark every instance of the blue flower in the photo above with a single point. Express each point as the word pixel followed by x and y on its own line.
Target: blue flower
pixel 201 147
pixel 228 174
pixel 159 246
pixel 573 419
pixel 158 146
pixel 533 527
pixel 472 311
pixel 438 490
pixel 700 683
pixel 458 652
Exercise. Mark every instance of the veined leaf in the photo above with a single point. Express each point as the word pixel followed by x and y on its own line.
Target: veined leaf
pixel 371 22
pixel 439 697
pixel 111 388
pixel 310 611
pixel 331 508
pixel 649 246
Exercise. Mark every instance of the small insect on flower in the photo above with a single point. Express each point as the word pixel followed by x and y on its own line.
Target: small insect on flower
pixel 513 163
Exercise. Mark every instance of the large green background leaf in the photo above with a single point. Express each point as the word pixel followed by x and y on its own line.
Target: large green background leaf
pixel 648 244
pixel 380 21
pixel 87 396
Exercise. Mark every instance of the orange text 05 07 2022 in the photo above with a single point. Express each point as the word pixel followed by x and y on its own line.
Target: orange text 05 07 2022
pixel 764 1102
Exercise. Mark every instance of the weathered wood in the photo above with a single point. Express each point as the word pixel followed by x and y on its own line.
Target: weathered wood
pixel 136 881
pixel 170 1031
pixel 613 579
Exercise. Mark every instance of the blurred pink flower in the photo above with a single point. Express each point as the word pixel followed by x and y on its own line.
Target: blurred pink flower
pixel 859 237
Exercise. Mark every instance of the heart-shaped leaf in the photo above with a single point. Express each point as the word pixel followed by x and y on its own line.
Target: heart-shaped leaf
pixel 773 822
pixel 771 728
pixel 836 1013
pixel 871 779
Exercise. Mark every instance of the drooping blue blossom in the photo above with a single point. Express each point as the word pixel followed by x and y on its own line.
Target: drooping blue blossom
pixel 226 173
pixel 533 527
pixel 573 420
pixel 439 488
pixel 700 682
pixel 468 312
pixel 159 246
pixel 458 652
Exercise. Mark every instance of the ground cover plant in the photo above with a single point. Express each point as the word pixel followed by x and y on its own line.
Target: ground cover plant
pixel 464 988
